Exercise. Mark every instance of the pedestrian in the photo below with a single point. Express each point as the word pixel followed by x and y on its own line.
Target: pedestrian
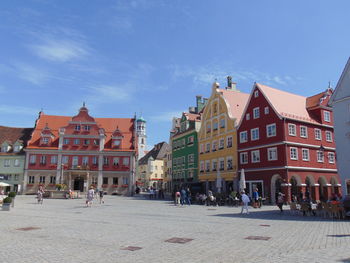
pixel 245 201
pixel 177 198
pixel 188 196
pixel 280 201
pixel 90 196
pixel 101 193
pixel 183 196
pixel 40 195
pixel 256 198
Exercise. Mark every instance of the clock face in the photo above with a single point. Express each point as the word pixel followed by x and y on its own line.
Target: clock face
pixel 117 142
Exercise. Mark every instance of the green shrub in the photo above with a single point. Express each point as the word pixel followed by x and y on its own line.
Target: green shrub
pixel 7 200
pixel 12 194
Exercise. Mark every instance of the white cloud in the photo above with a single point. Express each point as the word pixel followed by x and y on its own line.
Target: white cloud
pixel 109 93
pixel 60 50
pixel 31 74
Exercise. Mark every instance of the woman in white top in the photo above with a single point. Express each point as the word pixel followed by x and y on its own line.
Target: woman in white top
pixel 245 201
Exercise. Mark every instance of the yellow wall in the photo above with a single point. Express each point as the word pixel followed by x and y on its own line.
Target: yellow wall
pixel 212 115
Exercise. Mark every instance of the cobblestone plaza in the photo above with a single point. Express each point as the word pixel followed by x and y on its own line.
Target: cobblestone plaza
pixel 134 229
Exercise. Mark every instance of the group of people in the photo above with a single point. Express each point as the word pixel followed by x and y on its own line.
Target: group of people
pixel 91 194
pixel 183 197
pixel 156 193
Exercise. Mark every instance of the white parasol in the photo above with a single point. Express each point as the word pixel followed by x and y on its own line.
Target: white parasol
pixel 2 184
pixel 242 181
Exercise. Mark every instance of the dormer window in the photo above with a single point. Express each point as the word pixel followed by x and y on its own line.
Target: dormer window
pixel 16 148
pixel 327 116
pixel 4 149
pixel 116 143
pixel 77 128
pixel 45 140
pixel 87 128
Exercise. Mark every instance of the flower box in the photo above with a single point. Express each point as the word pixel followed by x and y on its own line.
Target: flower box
pixel 104 185
pixel 115 186
pixel 30 185
pixel 125 185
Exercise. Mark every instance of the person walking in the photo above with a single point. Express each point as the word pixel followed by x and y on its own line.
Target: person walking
pixel 40 195
pixel 177 198
pixel 183 196
pixel 245 201
pixel 101 193
pixel 188 196
pixel 90 197
pixel 256 198
pixel 280 201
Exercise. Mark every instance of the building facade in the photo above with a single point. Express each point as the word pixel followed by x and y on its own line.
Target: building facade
pixel 81 151
pixel 217 138
pixel 286 144
pixel 340 102
pixel 12 156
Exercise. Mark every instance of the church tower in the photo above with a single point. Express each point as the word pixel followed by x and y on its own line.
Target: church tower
pixel 141 136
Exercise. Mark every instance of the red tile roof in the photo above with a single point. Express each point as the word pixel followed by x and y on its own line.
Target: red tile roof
pixel 11 135
pixel 236 102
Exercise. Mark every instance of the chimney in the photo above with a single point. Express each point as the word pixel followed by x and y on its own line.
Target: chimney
pixel 231 85
pixel 192 110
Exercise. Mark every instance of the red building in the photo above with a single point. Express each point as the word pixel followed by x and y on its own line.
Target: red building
pixel 81 151
pixel 286 143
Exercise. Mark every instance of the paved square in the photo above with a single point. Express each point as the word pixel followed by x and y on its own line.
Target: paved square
pixel 66 231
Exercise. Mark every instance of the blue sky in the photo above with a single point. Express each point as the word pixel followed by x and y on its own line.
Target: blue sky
pixel 154 56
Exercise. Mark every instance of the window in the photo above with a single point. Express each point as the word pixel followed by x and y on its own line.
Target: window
pixel 303 131
pixel 190 140
pixel 87 128
pixel 105 180
pixel 222 123
pixel 201 148
pixel 32 159
pixel 292 129
pixel 16 177
pixel 215 145
pixel 85 160
pixel 76 141
pixel 327 116
pixel 45 140
pixel 254 134
pixel 271 130
pixel 331 157
pixel 320 156
pixel 96 142
pixel 191 158
pixel 7 163
pixel 208 127
pixel 86 142
pixel 256 113
pixel 105 160
pixel 53 159
pixel 243 136
pixel 125 180
pixel 126 161
pixel 201 166
pixel 94 160
pixel 247 116
pixel 115 180
pixel 116 161
pixel 75 161
pixel 116 143
pixel 94 180
pixel 305 154
pixel 52 179
pixel 229 142
pixel 207 148
pixel 329 136
pixel 30 179
pixel 229 163
pixel 42 179
pixel 17 148
pixel 65 159
pixel 272 154
pixel 215 164
pixel 77 128
pixel 221 143
pixel 43 159
pixel 207 166
pixel 318 135
pixel 256 94
pixel 243 157
pixel 221 164
pixel 4 149
pixel 215 126
pixel 293 153
pixel 65 141
pixel 266 110
pixel 255 156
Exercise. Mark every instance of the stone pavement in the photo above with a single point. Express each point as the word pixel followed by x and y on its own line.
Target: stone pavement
pixel 66 231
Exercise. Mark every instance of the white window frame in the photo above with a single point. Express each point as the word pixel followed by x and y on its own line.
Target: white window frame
pixel 255 156
pixel 302 130
pixel 318 132
pixel 16 148
pixel 243 157
pixel 243 136
pixel 306 157
pixel 320 156
pixel 247 116
pixel 252 132
pixel 207 166
pixel 207 147
pixel 229 160
pixel 268 132
pixel 85 160
pixel 75 161
pixel 45 140
pixel 16 163
pixel 329 137
pixel 7 163
pixel 32 159
pixel 201 148
pixel 53 159
pixel 228 138
pixel 221 143
pixel 292 129
pixel 202 166
pixel 327 116
pixel 256 113
pixel 126 161
pixel 221 161
pixel 266 110
pixel 65 159
pixel 272 157
pixel 293 153
pixel 222 123
pixel 256 94
pixel 331 157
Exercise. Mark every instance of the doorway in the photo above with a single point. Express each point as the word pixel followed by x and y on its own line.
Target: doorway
pixel 79 184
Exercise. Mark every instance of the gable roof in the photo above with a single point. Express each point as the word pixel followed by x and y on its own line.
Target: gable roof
pixel 11 135
pixel 236 102
pixel 158 152
pixel 339 90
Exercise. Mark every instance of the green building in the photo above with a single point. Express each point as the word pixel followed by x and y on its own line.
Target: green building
pixel 12 157
pixel 185 149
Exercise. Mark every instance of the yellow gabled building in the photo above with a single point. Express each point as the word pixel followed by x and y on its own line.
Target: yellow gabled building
pixel 217 137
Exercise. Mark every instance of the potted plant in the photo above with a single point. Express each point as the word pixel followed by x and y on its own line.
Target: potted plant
pixel 12 195
pixel 6 203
